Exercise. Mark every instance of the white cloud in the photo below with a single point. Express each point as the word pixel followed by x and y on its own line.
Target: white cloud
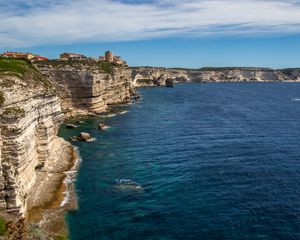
pixel 31 22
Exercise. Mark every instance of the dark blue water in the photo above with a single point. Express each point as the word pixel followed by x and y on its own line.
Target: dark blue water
pixel 216 161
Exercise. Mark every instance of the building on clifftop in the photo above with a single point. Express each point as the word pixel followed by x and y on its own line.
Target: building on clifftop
pixel 72 56
pixel 28 56
pixel 109 56
pixel 119 60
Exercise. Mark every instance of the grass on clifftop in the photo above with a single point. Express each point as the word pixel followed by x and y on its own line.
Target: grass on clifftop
pixel 23 69
pixel 14 67
pixel 106 67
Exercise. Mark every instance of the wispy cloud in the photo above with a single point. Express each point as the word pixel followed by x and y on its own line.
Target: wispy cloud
pixel 33 22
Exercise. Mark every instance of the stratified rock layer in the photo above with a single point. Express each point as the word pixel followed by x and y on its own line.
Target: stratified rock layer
pixel 156 76
pixel 30 117
pixel 84 87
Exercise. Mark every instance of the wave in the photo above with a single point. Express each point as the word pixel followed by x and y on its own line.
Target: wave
pixel 91 140
pixel 296 99
pixel 111 115
pixel 123 112
pixel 70 178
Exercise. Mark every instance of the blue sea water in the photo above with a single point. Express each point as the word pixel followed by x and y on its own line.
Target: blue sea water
pixel 215 161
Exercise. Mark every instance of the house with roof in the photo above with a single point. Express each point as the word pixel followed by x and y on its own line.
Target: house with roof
pixel 28 56
pixel 72 56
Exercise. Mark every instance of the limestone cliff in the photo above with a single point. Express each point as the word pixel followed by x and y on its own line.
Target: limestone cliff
pixel 30 117
pixel 87 87
pixel 156 76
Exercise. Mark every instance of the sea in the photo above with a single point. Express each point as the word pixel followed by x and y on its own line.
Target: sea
pixel 199 161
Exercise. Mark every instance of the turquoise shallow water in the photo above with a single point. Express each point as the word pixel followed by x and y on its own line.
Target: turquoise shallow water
pixel 216 161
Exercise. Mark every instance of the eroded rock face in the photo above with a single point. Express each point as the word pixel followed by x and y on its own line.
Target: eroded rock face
pixel 86 88
pixel 30 117
pixel 155 76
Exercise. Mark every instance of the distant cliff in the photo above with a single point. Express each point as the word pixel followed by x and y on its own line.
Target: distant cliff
pixel 156 76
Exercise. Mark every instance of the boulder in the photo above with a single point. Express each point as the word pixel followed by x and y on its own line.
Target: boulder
pixel 83 137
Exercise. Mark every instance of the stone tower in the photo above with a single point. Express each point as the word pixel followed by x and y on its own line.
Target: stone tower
pixel 109 56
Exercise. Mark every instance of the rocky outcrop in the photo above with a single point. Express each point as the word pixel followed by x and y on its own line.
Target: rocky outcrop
pixel 156 76
pixel 83 137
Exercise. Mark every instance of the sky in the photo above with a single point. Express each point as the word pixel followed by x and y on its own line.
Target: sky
pixel 169 33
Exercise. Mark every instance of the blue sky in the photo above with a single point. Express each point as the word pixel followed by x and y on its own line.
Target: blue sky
pixel 186 33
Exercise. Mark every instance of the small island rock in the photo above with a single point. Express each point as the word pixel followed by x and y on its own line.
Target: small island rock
pixel 83 137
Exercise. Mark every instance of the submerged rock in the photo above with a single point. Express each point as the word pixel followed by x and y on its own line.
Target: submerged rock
pixel 71 126
pixel 127 184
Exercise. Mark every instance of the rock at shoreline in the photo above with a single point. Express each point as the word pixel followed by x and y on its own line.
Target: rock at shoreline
pixel 83 137
pixel 170 82
pixel 71 126
pixel 102 126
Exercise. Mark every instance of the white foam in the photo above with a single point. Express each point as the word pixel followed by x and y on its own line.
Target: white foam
pixel 91 140
pixel 111 115
pixel 70 178
pixel 123 112
pixel 296 99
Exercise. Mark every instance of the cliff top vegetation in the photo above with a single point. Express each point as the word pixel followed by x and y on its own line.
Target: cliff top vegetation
pixel 22 69
pixel 14 67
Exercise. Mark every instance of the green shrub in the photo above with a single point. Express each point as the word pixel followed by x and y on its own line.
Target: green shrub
pixel 14 112
pixel 2 226
pixel 106 67
pixel 61 237
pixel 22 69
pixel 14 67
pixel 2 98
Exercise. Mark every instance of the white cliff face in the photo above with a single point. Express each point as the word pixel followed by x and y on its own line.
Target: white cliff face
pixel 29 123
pixel 152 76
pixel 85 88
